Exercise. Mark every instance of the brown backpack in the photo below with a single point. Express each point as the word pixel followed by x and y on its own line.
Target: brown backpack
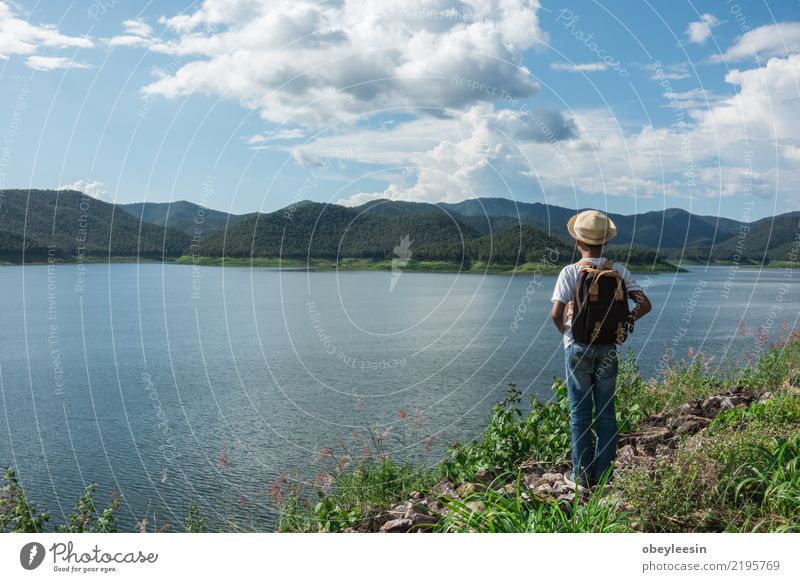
pixel 599 311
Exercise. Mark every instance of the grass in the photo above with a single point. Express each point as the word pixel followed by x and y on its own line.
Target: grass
pixel 518 511
pixel 707 485
pixel 355 494
pixel 741 474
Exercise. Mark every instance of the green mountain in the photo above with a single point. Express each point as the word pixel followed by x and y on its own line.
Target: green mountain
pixel 376 230
pixel 76 224
pixel 768 239
pixel 670 228
pixel 329 231
pixel 185 216
pixel 35 224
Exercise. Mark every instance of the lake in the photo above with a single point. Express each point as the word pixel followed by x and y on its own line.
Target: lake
pixel 171 384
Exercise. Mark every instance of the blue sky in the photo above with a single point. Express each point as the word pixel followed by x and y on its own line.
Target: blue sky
pixel 251 105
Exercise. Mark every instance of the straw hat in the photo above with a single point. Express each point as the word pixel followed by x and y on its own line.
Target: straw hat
pixel 592 227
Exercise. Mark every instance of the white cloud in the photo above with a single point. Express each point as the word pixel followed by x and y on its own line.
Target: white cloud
pixel 579 67
pixel 780 39
pixel 18 36
pixel 137 27
pixel 329 66
pixel 277 135
pixel 91 188
pixel 699 32
pixel 676 72
pixel 40 63
pixel 744 144
pixel 313 63
pixel 691 99
pixel 137 33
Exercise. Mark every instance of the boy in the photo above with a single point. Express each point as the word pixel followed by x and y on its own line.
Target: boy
pixel 591 366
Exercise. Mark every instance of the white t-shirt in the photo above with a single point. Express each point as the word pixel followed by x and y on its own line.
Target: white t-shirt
pixel 568 281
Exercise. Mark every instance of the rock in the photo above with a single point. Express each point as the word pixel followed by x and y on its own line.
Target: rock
pixel 533 480
pixel 650 435
pixel 689 427
pixel 544 495
pixel 420 520
pixel 465 489
pixel 625 454
pixel 445 487
pixel 475 505
pixel 560 488
pixel 484 476
pixel 532 467
pixel 435 506
pixel 568 497
pixel 396 526
pixel 553 477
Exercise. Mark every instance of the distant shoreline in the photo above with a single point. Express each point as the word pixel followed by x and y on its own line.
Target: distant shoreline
pixel 356 265
pixel 350 264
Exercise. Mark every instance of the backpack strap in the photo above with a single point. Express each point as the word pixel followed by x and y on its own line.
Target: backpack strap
pixel 605 266
pixel 603 269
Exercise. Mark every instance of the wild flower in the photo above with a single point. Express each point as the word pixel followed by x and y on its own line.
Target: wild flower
pixel 420 420
pixel 223 460
pixel 402 413
pixel 276 491
pixel 322 480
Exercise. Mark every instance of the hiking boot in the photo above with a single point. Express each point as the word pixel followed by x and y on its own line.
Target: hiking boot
pixel 580 484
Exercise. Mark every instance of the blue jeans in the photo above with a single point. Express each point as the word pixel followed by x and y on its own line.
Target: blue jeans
pixel 591 383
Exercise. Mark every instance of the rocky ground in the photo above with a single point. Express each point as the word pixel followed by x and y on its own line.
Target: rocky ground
pixel 545 481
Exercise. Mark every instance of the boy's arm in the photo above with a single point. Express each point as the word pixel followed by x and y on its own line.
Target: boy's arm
pixel 643 305
pixel 557 315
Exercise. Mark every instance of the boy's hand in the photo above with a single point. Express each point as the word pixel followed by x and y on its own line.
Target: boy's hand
pixel 643 305
pixel 557 315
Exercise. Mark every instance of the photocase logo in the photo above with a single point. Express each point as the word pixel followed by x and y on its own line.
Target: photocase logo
pixel 402 254
pixel 31 555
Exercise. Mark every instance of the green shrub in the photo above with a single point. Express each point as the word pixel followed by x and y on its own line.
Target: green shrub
pixel 17 513
pixel 509 438
pixel 768 475
pixel 194 521
pixel 371 485
pixel 521 511
pixel 85 518
pixel 782 409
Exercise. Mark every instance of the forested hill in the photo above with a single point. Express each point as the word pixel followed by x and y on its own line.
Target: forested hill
pixel 774 238
pixel 317 230
pixel 76 224
pixel 185 216
pixel 669 228
pixel 378 231
pixel 68 224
